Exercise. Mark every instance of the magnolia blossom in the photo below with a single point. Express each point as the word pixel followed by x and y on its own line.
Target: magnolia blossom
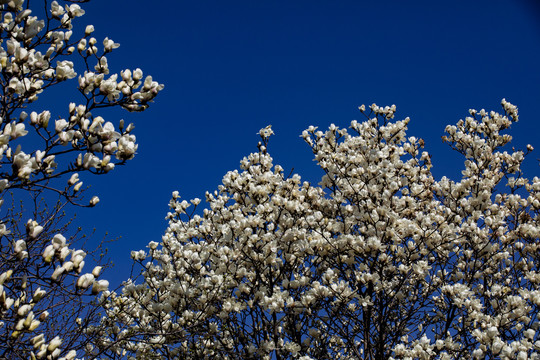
pixel 126 147
pixel 64 70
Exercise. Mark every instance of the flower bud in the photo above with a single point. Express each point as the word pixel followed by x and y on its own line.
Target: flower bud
pixel 89 29
pixel 38 295
pixel 78 186
pixel 97 271
pixel 73 179
pixel 94 201
pixel 54 344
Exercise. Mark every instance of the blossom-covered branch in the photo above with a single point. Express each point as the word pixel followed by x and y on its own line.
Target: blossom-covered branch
pixel 45 293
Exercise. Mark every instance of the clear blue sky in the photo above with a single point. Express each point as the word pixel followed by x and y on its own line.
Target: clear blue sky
pixel 233 67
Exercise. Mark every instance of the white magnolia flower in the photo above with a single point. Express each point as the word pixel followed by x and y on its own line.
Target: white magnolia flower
pixel 64 70
pixel 85 281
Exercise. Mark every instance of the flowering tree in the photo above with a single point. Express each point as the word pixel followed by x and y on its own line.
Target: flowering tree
pixel 45 299
pixel 378 261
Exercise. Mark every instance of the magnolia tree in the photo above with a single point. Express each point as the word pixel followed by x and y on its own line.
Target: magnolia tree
pixel 45 291
pixel 378 261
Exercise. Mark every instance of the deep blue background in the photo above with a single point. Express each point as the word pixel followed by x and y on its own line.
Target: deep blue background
pixel 233 67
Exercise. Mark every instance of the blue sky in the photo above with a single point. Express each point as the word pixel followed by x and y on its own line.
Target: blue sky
pixel 233 67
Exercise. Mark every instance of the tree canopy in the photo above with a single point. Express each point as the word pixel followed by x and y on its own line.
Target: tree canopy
pixel 378 261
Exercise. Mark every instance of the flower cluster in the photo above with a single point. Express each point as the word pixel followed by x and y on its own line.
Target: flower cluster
pixel 378 261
